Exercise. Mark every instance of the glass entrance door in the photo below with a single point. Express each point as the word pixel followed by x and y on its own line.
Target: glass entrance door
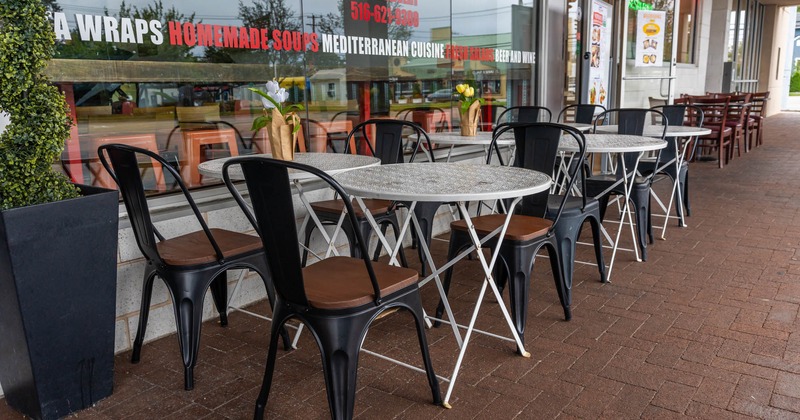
pixel 648 67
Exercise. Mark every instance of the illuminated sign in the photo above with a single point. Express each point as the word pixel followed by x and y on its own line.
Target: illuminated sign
pixel 639 5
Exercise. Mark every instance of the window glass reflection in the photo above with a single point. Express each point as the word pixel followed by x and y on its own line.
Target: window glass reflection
pixel 176 77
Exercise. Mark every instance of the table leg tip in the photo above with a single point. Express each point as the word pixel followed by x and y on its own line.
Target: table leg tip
pixel 447 405
pixel 526 354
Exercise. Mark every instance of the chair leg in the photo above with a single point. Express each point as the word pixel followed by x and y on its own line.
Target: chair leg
pixel 340 340
pixel 563 287
pixel 188 308
pixel 566 238
pixel 684 191
pixel 277 326
pixel 759 140
pixel 598 246
pixel 517 260
pixel 458 242
pixel 425 213
pixel 415 305
pixel 641 201
pixel 144 311
pixel 262 268
pixel 219 293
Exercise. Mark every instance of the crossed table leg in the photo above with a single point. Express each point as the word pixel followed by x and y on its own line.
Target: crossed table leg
pixel 488 281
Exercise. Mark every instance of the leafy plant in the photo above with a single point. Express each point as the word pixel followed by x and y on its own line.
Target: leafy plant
pixel 466 94
pixel 274 98
pixel 38 113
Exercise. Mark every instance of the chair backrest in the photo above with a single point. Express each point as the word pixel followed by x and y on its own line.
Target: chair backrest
pixel 430 118
pixel 715 110
pixel 311 133
pixel 536 149
pixel 122 162
pixel 678 115
pixel 675 114
pixel 758 100
pixel 387 136
pixel 145 141
pixel 274 219
pixel 631 121
pixel 681 114
pixel 581 113
pixel 654 102
pixel 738 107
pixel 525 113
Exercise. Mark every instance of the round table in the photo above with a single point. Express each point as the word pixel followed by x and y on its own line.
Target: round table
pixel 655 130
pixel 441 182
pixel 613 143
pixel 330 163
pixel 583 127
pixel 483 138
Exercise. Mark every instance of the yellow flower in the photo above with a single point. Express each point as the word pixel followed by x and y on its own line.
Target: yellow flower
pixel 461 88
pixel 469 92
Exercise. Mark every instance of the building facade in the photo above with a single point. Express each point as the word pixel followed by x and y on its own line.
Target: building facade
pixel 152 72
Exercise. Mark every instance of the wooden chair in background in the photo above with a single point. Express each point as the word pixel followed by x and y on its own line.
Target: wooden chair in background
pixel 143 141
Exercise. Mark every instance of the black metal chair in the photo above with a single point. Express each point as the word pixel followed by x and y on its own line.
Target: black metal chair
pixel 336 298
pixel 529 230
pixel 188 264
pixel 576 211
pixel 525 114
pixel 581 113
pixel 389 149
pixel 676 114
pixel 630 121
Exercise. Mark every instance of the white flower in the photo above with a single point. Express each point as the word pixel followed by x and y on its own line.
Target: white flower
pixel 277 93
pixel 272 86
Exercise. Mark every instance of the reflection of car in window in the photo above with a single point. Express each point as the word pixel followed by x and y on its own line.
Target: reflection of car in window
pixel 443 95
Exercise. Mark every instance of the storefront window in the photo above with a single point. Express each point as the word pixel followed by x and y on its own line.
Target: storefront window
pixel 173 77
pixel 687 25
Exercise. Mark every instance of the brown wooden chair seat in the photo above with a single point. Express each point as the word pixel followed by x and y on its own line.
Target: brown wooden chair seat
pixel 343 282
pixel 520 228
pixel 375 207
pixel 194 248
pixel 715 131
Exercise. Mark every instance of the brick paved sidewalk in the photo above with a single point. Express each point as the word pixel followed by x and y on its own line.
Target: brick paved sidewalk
pixel 704 328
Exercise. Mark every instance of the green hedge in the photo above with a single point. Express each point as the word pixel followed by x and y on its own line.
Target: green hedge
pixel 39 115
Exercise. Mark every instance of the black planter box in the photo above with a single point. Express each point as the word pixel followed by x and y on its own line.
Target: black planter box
pixel 58 271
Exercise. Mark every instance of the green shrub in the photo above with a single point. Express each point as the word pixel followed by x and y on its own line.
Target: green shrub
pixel 39 115
pixel 794 82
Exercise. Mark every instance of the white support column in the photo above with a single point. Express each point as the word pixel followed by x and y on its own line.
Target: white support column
pixel 776 55
pixel 718 43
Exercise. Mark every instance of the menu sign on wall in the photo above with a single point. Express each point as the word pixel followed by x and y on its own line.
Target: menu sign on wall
pixel 600 53
pixel 650 25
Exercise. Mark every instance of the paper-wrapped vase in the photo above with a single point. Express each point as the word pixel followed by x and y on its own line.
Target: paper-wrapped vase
pixel 469 119
pixel 282 135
